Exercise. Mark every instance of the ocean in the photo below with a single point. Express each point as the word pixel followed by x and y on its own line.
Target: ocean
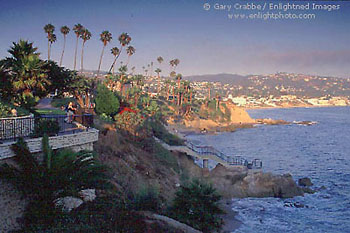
pixel 320 152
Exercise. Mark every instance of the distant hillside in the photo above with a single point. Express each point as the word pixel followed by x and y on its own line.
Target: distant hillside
pixel 223 78
pixel 277 84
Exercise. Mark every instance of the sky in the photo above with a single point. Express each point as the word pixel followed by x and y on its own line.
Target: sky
pixel 205 41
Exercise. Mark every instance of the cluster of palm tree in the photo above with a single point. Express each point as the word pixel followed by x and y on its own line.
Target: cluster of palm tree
pixel 84 34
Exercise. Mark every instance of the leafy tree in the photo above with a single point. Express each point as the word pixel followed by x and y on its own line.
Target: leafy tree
pixel 105 37
pixel 60 174
pixel 78 28
pixel 64 30
pixel 196 204
pixel 106 101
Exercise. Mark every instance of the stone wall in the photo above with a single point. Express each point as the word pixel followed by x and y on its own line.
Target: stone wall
pixel 16 126
pixel 76 141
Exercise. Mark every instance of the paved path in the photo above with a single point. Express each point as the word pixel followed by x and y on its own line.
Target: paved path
pixel 45 103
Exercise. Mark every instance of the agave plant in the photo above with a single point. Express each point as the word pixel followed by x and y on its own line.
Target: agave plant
pixel 60 174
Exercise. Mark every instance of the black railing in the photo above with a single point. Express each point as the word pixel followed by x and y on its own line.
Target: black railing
pixel 27 127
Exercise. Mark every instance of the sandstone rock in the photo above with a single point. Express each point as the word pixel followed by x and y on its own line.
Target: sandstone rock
pixel 305 182
pixel 68 203
pixel 88 194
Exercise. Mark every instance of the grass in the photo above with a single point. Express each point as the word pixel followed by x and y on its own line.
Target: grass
pixel 59 102
pixel 46 111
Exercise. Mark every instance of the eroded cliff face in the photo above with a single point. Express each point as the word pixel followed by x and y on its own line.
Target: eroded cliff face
pixel 133 167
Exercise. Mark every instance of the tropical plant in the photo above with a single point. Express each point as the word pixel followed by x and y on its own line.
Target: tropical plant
pixel 49 29
pixel 130 51
pixel 26 76
pixel 78 28
pixel 64 30
pixel 174 63
pixel 106 102
pixel 158 72
pixel 81 88
pixel 105 37
pixel 197 204
pixel 85 36
pixel 115 51
pixel 160 60
pixel 52 39
pixel 124 39
pixel 60 174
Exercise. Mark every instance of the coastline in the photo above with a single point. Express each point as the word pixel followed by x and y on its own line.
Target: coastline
pixel 290 107
pixel 231 223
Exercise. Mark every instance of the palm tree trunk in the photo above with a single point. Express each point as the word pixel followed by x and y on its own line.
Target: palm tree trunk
pixel 82 57
pixel 64 46
pixel 113 64
pixel 127 63
pixel 48 50
pixel 99 65
pixel 75 53
pixel 167 91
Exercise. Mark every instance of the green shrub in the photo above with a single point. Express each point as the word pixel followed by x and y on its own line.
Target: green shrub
pixel 46 126
pixel 159 131
pixel 106 101
pixel 147 199
pixel 196 204
pixel 5 110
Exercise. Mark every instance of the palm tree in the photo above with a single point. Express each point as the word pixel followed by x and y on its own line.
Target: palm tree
pixel 158 72
pixel 174 63
pixel 178 78
pixel 52 39
pixel 130 51
pixel 124 39
pixel 151 69
pixel 85 36
pixel 60 174
pixel 49 29
pixel 64 30
pixel 209 85
pixel 77 30
pixel 115 51
pixel 105 37
pixel 160 60
pixel 167 82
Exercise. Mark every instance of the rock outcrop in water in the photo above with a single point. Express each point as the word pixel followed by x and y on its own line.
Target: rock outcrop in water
pixel 241 182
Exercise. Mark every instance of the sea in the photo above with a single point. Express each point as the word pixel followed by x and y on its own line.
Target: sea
pixel 320 151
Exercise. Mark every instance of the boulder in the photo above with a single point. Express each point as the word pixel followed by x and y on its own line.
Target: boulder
pixel 306 182
pixel 268 185
pixel 87 194
pixel 68 203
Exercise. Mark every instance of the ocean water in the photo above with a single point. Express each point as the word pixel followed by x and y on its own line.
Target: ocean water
pixel 320 151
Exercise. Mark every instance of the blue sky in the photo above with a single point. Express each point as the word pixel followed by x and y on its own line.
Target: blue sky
pixel 206 42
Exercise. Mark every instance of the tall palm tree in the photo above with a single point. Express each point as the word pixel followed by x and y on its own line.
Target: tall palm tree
pixel 124 39
pixel 64 30
pixel 174 63
pixel 130 51
pixel 151 69
pixel 115 51
pixel 77 30
pixel 160 60
pixel 85 36
pixel 52 39
pixel 158 72
pixel 105 37
pixel 49 29
pixel 178 78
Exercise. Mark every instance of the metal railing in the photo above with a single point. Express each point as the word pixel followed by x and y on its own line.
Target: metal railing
pixel 13 128
pixel 231 160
